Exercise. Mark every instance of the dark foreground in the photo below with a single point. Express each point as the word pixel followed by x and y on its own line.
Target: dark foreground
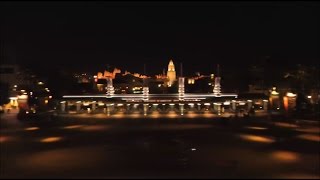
pixel 158 148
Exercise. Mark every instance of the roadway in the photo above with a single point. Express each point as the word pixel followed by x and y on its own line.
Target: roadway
pixel 157 148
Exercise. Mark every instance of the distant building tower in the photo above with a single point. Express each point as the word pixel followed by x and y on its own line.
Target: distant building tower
pixel 217 86
pixel 171 74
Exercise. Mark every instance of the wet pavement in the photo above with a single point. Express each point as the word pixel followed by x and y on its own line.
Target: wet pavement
pixel 157 148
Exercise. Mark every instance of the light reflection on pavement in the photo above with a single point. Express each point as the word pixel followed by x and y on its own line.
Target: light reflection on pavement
pixel 170 148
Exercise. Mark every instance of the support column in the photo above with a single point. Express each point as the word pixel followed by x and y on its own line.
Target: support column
pixel 249 103
pixel 265 105
pixel 233 102
pixel 217 108
pixel 199 107
pixel 78 104
pixel 63 106
pixel 128 108
pixel 93 106
pixel 181 108
pixel 108 109
pixel 145 109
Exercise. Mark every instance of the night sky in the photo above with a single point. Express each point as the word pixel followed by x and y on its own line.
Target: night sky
pixel 91 35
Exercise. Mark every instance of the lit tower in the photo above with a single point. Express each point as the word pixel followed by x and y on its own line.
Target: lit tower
pixel 217 86
pixel 171 74
pixel 110 88
pixel 181 85
pixel 145 90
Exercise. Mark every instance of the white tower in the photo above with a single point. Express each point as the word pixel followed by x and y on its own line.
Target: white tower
pixel 145 90
pixel 181 85
pixel 217 86
pixel 110 88
pixel 171 74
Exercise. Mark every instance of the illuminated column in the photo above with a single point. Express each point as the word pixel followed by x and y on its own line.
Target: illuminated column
pixel 171 107
pixel 199 106
pixel 217 87
pixel 274 99
pixel 207 106
pixel 110 88
pixel 128 108
pixel 249 103
pixel 135 107
pixel 145 109
pixel 63 106
pixel 155 107
pixel 93 106
pixel 181 88
pixel 78 104
pixel 265 105
pixel 233 104
pixel 181 108
pixel 108 109
pixel 217 108
pixel 191 105
pixel 15 103
pixel 145 92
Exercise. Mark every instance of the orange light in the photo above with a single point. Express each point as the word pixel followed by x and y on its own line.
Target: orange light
pixel 257 138
pixel 95 128
pixel 3 139
pixel 256 128
pixel 51 139
pixel 309 130
pixel 73 127
pixel 286 125
pixel 285 156
pixel 31 128
pixel 285 103
pixel 309 137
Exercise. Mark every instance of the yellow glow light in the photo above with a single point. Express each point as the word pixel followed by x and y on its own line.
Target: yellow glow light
pixel 285 156
pixel 73 127
pixel 257 138
pixel 3 139
pixel 289 94
pixel 31 128
pixel 310 137
pixel 287 125
pixel 95 128
pixel 256 128
pixel 50 139
pixel 309 130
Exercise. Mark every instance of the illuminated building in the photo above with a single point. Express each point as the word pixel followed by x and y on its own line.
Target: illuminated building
pixel 171 73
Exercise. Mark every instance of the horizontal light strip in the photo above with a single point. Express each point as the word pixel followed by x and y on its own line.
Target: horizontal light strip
pixel 150 95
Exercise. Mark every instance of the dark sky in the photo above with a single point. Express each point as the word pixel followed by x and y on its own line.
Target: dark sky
pixel 90 35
